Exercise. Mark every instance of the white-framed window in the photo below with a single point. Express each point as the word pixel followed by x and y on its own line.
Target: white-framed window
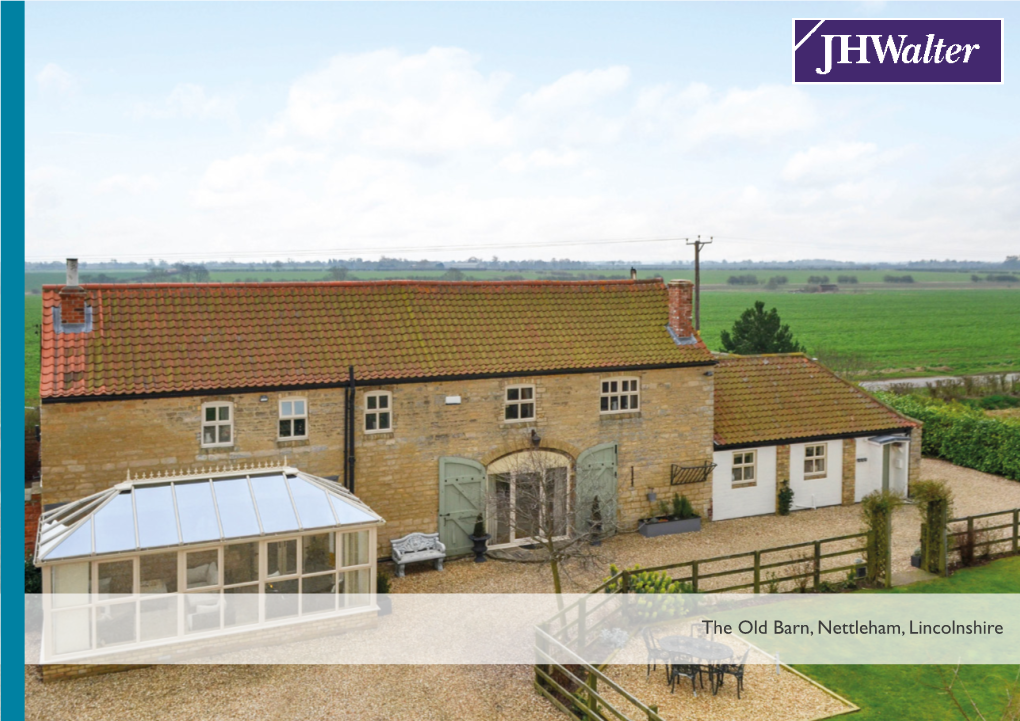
pixel 743 469
pixel 520 403
pixel 814 461
pixel 619 395
pixel 378 412
pixel 293 419
pixel 217 424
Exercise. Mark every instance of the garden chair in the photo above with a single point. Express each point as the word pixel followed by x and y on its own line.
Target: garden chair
pixel 685 670
pixel 655 653
pixel 736 670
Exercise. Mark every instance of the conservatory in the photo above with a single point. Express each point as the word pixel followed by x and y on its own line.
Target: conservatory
pixel 159 560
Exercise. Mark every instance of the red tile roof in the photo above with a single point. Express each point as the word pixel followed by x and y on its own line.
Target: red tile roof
pixel 769 398
pixel 191 337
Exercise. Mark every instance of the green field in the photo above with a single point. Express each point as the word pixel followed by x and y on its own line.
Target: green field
pixel 903 692
pixel 906 332
pixel 35 280
pixel 903 332
pixel 33 314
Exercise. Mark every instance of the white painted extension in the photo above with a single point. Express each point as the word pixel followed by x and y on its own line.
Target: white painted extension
pixel 730 500
pixel 882 462
pixel 825 486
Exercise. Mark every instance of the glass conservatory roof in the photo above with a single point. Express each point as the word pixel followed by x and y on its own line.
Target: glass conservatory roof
pixel 157 512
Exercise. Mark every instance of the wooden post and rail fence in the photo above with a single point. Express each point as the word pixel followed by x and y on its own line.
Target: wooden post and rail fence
pixel 984 536
pixel 573 687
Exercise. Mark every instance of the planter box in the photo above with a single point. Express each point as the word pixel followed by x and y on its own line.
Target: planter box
pixel 651 527
pixel 915 561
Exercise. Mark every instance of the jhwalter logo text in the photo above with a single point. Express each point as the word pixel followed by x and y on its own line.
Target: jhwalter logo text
pixel 898 51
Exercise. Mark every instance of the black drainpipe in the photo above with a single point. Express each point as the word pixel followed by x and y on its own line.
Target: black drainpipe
pixel 349 439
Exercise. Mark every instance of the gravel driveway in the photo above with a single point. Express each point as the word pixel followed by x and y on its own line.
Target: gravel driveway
pixel 974 492
pixel 458 693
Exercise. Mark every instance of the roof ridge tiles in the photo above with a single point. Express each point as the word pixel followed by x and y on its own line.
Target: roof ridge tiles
pixel 300 284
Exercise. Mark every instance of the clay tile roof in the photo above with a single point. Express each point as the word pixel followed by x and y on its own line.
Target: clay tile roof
pixel 191 337
pixel 771 398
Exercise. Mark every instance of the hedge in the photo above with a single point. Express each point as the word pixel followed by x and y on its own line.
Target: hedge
pixel 962 435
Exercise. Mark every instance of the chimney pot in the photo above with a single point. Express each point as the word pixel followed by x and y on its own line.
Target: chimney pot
pixel 633 273
pixel 72 272
pixel 681 307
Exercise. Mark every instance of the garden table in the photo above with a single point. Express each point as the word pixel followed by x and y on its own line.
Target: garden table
pixel 700 649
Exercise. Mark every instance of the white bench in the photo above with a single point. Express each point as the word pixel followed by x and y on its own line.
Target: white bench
pixel 416 547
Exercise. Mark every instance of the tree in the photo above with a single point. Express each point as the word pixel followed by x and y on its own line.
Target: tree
pixel 531 497
pixel 337 272
pixel 759 331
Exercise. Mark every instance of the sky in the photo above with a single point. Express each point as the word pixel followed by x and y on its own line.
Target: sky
pixel 594 131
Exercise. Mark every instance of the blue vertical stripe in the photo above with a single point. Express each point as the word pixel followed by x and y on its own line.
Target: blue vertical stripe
pixel 12 419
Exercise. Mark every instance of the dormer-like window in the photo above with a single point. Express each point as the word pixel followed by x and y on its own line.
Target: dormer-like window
pixel 620 395
pixel 520 404
pixel 814 461
pixel 293 419
pixel 217 424
pixel 378 412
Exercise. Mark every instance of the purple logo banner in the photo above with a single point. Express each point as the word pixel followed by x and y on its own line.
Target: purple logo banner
pixel 898 51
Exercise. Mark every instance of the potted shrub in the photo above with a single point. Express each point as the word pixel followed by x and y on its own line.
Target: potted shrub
pixel 382 590
pixel 480 538
pixel 785 498
pixel 675 517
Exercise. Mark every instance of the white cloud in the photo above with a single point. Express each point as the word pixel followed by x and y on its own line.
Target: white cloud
pixel 130 184
pixel 430 104
pixel 43 193
pixel 541 159
pixel 54 79
pixel 698 116
pixel 577 89
pixel 837 162
pixel 189 101
pixel 251 178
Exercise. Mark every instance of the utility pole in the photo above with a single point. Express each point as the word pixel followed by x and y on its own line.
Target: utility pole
pixel 697 278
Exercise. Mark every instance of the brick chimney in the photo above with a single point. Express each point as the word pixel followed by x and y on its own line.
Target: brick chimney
pixel 681 307
pixel 72 297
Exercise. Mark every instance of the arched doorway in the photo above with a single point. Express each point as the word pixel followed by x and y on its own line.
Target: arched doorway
pixel 529 496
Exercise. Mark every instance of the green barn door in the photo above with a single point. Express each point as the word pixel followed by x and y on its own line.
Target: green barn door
pixel 596 477
pixel 461 499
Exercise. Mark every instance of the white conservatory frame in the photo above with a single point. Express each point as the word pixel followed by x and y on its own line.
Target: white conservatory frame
pixel 352 592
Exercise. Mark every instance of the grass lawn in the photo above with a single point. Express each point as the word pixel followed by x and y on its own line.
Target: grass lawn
pixel 903 692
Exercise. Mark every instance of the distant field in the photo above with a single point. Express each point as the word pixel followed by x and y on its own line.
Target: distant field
pixel 35 280
pixel 906 333
pixel 33 314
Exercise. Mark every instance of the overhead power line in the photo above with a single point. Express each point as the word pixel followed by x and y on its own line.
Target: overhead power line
pixel 477 249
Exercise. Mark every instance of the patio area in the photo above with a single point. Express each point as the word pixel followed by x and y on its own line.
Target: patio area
pixel 766 695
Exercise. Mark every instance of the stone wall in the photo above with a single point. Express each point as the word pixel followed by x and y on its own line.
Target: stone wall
pixel 849 470
pixel 90 446
pixel 782 470
pixel 33 509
